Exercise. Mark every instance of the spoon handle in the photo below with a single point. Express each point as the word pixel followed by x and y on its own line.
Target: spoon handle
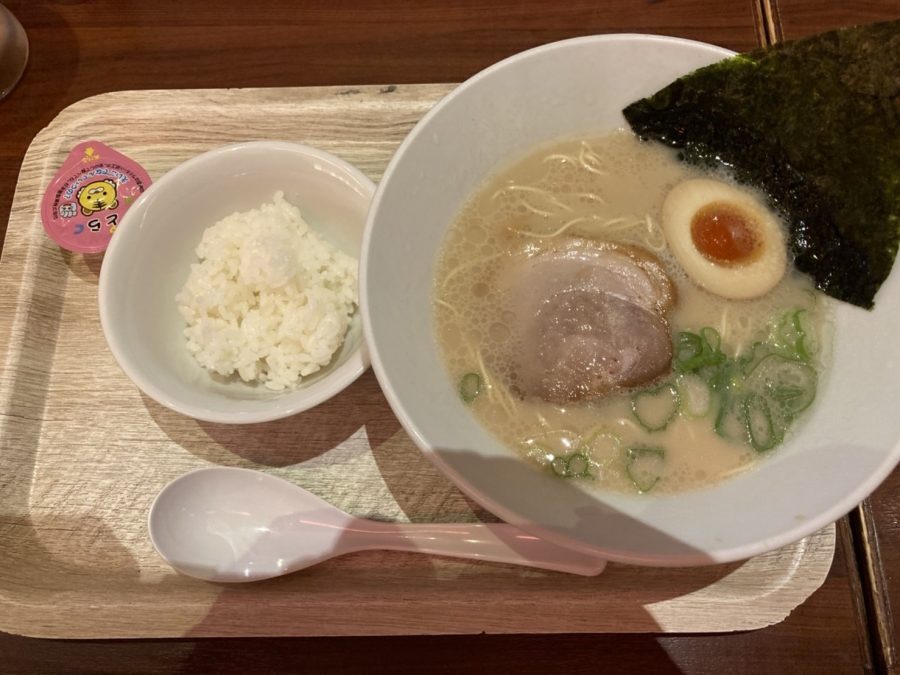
pixel 494 542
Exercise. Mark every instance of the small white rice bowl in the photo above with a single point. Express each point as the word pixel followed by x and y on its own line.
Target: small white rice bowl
pixel 270 312
pixel 270 300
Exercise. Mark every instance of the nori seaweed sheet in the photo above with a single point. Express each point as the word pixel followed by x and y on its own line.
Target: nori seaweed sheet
pixel 815 124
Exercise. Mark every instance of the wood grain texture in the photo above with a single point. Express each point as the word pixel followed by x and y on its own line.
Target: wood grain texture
pixel 792 19
pixel 141 46
pixel 78 526
pixel 84 48
pixel 878 571
pixel 877 520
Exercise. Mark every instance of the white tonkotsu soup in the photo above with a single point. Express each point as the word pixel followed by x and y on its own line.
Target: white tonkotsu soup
pixel 594 207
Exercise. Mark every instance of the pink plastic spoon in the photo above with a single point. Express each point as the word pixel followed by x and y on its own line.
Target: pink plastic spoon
pixel 226 524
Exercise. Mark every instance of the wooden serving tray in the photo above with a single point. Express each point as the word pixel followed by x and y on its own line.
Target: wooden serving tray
pixel 83 453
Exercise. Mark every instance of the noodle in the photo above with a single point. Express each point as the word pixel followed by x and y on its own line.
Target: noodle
pixel 560 193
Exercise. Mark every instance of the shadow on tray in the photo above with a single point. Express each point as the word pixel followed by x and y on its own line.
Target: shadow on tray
pixel 287 441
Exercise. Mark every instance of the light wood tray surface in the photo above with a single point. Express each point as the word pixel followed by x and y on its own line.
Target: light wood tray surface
pixel 83 453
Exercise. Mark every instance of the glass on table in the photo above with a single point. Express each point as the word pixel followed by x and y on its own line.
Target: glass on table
pixel 13 50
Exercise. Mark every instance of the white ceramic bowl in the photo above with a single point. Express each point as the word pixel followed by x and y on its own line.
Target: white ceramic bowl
pixel 149 259
pixel 839 455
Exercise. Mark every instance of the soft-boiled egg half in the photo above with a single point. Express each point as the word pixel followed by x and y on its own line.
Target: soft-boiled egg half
pixel 726 241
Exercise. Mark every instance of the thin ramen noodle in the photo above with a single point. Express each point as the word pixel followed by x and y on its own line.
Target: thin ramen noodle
pixel 672 427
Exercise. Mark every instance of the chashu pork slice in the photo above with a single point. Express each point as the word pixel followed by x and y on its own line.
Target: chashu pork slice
pixel 589 318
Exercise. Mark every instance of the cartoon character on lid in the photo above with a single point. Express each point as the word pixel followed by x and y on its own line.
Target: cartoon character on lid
pixel 97 196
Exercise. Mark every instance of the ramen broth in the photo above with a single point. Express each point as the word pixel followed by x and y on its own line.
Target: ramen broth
pixel 608 188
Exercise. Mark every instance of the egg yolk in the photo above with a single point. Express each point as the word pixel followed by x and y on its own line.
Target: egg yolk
pixel 725 234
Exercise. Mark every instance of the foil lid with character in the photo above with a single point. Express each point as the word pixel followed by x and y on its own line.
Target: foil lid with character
pixel 87 198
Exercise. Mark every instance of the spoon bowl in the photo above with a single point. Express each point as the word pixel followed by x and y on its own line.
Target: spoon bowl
pixel 235 525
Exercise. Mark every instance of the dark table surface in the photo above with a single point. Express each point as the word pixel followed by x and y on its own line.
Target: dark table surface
pixel 80 48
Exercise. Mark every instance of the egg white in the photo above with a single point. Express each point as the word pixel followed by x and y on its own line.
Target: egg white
pixel 740 281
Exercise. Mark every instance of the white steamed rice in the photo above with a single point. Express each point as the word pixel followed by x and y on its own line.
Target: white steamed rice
pixel 270 299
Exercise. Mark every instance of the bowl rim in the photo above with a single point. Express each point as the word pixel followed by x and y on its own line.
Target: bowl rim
pixel 284 405
pixel 711 555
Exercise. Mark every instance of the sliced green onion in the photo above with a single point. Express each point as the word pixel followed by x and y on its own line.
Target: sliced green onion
pixel 560 466
pixel 712 338
pixel 688 346
pixel 748 361
pixel 578 465
pixel 794 335
pixel 763 430
pixel 729 424
pixel 790 384
pixel 655 408
pixel 470 386
pixel 809 346
pixel 644 465
pixel 694 395
pixel 756 395
pixel 694 351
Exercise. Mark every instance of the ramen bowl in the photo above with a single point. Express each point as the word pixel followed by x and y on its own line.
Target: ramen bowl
pixel 846 445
